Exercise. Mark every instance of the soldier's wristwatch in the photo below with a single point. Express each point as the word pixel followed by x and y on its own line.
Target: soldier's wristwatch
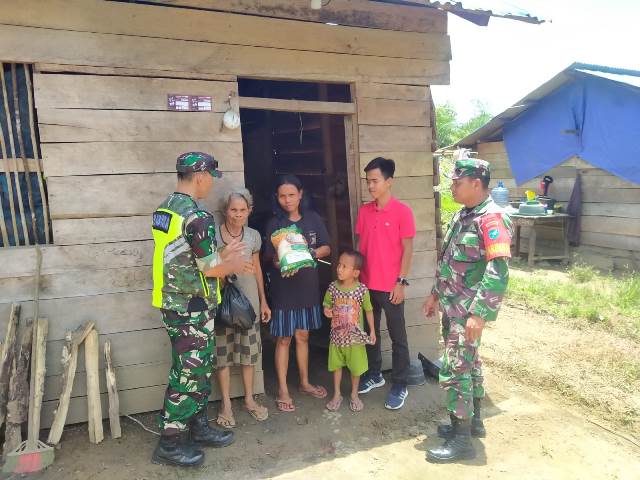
pixel 402 281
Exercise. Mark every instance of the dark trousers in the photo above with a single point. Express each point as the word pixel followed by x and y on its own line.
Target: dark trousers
pixel 398 334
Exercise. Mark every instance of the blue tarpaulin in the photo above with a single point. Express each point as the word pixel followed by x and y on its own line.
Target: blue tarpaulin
pixel 593 118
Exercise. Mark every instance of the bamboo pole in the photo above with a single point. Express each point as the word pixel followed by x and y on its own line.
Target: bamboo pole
pixel 13 163
pixel 37 156
pixel 23 156
pixel 3 224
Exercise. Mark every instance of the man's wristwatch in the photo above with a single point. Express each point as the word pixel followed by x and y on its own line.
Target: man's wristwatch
pixel 402 281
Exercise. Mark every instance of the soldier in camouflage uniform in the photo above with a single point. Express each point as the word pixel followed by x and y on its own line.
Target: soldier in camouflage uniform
pixel 186 268
pixel 471 279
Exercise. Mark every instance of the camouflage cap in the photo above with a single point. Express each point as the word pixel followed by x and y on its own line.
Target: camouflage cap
pixel 197 162
pixel 471 167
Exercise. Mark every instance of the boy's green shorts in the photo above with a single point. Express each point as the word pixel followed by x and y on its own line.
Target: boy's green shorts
pixel 353 357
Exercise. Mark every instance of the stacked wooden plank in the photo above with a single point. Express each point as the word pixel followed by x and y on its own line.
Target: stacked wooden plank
pixel 610 226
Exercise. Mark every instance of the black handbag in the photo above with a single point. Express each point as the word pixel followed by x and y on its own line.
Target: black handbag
pixel 235 309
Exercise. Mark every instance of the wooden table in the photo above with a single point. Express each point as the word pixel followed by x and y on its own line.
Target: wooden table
pixel 534 221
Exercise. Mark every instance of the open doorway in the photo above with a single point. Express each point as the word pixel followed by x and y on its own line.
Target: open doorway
pixel 311 146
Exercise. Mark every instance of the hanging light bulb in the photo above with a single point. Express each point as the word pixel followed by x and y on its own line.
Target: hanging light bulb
pixel 316 4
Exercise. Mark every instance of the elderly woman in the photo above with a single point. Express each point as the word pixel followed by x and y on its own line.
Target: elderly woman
pixel 236 346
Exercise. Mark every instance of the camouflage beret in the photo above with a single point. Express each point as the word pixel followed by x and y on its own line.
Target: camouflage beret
pixel 471 167
pixel 197 162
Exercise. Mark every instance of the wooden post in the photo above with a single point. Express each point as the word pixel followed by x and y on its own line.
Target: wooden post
pixel 6 360
pixel 18 405
pixel 114 401
pixel 353 163
pixel 69 362
pixel 533 234
pixel 39 350
pixel 329 177
pixel 91 350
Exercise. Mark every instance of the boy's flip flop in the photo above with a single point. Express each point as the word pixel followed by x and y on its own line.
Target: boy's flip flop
pixel 356 405
pixel 334 405
pixel 317 391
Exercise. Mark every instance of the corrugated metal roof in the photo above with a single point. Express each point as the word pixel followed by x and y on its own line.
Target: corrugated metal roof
pixel 479 11
pixel 492 130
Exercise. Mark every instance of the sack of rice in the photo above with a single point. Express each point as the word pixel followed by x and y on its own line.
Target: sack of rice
pixel 293 251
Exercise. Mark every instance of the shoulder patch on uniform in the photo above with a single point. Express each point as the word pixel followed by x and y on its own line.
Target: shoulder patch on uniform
pixel 496 236
pixel 161 221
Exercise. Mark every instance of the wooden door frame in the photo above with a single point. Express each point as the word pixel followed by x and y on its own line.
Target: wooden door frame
pixel 348 110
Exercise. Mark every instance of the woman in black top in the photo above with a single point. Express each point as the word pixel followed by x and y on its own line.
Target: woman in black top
pixel 295 300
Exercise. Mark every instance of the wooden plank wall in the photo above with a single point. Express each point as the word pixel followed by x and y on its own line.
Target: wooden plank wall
pixel 109 144
pixel 394 121
pixel 109 147
pixel 610 229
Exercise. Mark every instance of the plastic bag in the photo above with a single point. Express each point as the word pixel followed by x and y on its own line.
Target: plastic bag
pixel 235 309
pixel 293 252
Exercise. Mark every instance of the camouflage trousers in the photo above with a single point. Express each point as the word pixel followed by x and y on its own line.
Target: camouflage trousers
pixel 461 372
pixel 193 343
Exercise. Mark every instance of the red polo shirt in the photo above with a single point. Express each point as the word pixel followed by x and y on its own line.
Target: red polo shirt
pixel 381 231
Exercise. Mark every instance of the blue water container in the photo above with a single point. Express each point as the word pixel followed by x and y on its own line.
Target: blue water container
pixel 500 195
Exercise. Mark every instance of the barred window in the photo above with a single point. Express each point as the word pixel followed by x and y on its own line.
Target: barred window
pixel 23 196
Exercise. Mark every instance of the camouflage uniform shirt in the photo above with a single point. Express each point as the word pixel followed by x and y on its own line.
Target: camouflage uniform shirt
pixel 473 268
pixel 199 232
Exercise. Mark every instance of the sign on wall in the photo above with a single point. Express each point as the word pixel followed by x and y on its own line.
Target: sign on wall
pixel 189 103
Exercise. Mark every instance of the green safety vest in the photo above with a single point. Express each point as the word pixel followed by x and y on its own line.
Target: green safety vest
pixel 176 276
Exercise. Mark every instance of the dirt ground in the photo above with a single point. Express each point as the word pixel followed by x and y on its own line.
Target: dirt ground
pixel 533 432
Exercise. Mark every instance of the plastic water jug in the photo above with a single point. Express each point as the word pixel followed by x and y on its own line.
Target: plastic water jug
pixel 500 195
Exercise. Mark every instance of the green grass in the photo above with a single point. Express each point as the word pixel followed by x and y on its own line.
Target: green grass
pixel 585 297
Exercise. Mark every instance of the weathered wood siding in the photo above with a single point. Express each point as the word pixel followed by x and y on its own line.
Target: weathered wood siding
pixel 104 70
pixel 610 228
pixel 395 122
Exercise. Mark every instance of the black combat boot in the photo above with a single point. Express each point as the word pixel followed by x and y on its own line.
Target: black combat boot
pixel 477 427
pixel 177 450
pixel 203 435
pixel 446 430
pixel 458 447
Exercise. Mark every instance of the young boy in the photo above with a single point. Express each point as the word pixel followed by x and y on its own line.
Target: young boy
pixel 344 302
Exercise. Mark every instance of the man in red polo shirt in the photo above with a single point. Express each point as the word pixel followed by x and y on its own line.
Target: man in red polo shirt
pixel 385 229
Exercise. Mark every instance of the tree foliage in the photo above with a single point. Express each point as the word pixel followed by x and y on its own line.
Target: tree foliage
pixel 450 129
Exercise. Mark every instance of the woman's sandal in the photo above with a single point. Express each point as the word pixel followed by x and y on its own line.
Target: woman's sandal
pixel 261 413
pixel 286 407
pixel 334 405
pixel 356 405
pixel 317 391
pixel 226 421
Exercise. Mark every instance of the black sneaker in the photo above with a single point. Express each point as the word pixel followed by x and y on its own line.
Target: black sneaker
pixel 369 381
